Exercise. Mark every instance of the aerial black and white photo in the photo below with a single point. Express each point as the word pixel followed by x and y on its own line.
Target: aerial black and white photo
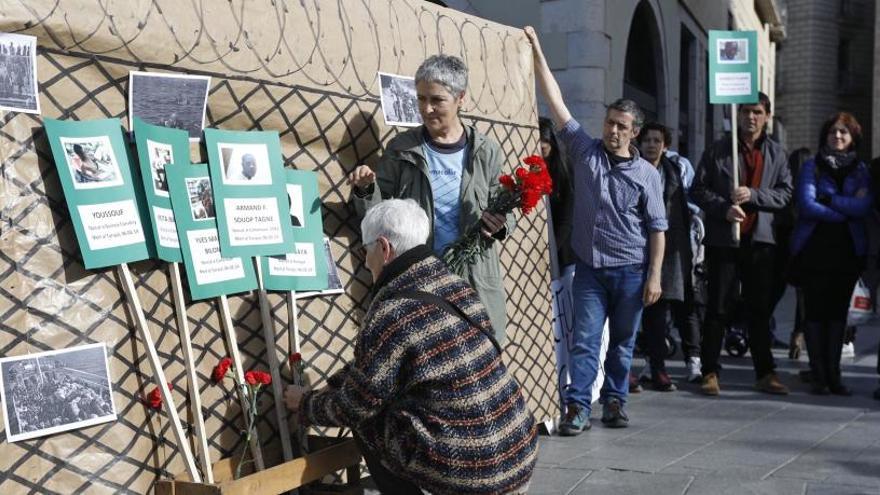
pixel 55 391
pixel 400 105
pixel 18 73
pixel 176 101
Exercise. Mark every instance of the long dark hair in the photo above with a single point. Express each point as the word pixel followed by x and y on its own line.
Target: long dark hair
pixel 556 163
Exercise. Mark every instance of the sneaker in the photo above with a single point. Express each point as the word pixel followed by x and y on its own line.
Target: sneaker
pixel 662 383
pixel 634 385
pixel 770 384
pixel 693 366
pixel 710 384
pixel 848 351
pixel 613 415
pixel 575 422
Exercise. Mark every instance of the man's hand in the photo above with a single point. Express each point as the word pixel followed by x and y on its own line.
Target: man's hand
pixel 741 195
pixel 492 223
pixel 293 396
pixel 361 177
pixel 735 214
pixel 652 289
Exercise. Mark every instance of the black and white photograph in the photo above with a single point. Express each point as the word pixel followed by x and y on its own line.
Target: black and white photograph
pixel 176 101
pixel 18 73
pixel 295 195
pixel 92 162
pixel 55 391
pixel 245 164
pixel 201 198
pixel 400 105
pixel 733 51
pixel 160 156
pixel 334 283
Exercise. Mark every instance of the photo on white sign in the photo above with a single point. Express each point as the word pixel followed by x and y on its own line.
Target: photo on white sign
pixel 91 162
pixel 176 101
pixel 400 105
pixel 733 51
pixel 18 73
pixel 160 156
pixel 245 164
pixel 294 194
pixel 201 198
pixel 334 283
pixel 55 391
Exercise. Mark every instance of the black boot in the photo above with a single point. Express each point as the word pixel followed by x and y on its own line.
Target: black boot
pixel 835 333
pixel 814 337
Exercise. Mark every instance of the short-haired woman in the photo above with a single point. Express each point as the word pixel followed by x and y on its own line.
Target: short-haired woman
pixel 834 197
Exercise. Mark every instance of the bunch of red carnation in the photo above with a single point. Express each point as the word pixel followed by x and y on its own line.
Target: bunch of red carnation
pixel 153 399
pixel 521 190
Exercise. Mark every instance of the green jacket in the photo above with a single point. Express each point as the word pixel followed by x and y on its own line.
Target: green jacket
pixel 402 173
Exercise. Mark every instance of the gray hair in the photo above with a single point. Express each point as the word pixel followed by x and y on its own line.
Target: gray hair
pixel 448 70
pixel 402 221
pixel 630 107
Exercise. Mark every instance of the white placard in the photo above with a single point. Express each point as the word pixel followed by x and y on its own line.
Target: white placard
pixel 733 83
pixel 166 228
pixel 300 263
pixel 210 267
pixel 110 225
pixel 253 221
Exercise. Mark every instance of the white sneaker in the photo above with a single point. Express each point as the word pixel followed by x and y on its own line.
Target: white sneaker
pixel 849 350
pixel 693 367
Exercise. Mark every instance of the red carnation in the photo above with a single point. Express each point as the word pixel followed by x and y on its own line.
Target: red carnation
pixel 521 173
pixel 257 377
pixel 535 161
pixel 507 181
pixel 153 400
pixel 221 369
pixel 295 358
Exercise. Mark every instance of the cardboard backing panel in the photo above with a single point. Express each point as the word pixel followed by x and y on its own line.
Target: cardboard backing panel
pixel 306 69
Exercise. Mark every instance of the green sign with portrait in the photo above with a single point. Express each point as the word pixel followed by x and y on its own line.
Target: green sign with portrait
pixel 733 67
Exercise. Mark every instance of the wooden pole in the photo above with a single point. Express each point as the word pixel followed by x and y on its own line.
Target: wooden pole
pixel 158 374
pixel 274 366
pixel 194 395
pixel 232 344
pixel 735 139
pixel 295 344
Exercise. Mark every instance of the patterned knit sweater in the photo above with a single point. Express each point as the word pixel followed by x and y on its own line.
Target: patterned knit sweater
pixel 427 391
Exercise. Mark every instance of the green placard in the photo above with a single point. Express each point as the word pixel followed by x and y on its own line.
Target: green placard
pixel 304 268
pixel 247 174
pixel 192 200
pixel 157 147
pixel 733 67
pixel 105 206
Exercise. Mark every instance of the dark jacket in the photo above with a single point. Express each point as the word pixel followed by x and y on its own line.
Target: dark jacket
pixel 846 205
pixel 402 173
pixel 677 256
pixel 429 393
pixel 713 186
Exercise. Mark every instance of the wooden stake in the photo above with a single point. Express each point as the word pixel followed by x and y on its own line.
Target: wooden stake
pixel 274 367
pixel 158 374
pixel 194 396
pixel 734 133
pixel 232 344
pixel 295 344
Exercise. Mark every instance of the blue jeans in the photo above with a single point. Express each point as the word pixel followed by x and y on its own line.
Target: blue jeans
pixel 614 294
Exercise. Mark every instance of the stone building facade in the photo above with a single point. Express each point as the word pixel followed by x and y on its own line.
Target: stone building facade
pixel 653 51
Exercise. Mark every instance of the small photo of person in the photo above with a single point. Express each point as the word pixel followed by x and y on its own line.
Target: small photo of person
pixel 297 216
pixel 733 51
pixel 201 198
pixel 400 105
pixel 18 73
pixel 160 156
pixel 176 101
pixel 245 164
pixel 92 162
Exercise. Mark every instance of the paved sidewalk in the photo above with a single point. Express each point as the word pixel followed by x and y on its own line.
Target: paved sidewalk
pixel 740 442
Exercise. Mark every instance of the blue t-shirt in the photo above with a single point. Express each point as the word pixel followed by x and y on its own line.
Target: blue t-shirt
pixel 445 166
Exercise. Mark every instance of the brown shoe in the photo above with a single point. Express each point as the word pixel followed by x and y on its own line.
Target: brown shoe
pixel 770 384
pixel 710 384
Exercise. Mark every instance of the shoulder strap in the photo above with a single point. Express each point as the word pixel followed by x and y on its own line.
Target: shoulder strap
pixel 449 308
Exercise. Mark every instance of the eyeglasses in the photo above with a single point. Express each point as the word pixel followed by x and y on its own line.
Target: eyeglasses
pixel 363 247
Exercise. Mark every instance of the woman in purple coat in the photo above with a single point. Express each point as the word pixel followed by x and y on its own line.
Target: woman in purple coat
pixel 833 198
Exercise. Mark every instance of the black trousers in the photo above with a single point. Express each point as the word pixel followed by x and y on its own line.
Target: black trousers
pixel 746 270
pixel 386 481
pixel 655 322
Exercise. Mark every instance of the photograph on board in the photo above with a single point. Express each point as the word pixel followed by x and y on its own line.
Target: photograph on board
pixel 55 391
pixel 18 73
pixel 733 51
pixel 297 215
pixel 400 105
pixel 92 162
pixel 177 101
pixel 245 164
pixel 334 283
pixel 160 156
pixel 201 198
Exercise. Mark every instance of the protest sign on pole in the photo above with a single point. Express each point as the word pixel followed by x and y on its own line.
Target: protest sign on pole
pixel 733 79
pixel 247 174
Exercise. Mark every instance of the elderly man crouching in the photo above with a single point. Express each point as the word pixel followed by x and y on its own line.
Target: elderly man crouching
pixel 427 396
